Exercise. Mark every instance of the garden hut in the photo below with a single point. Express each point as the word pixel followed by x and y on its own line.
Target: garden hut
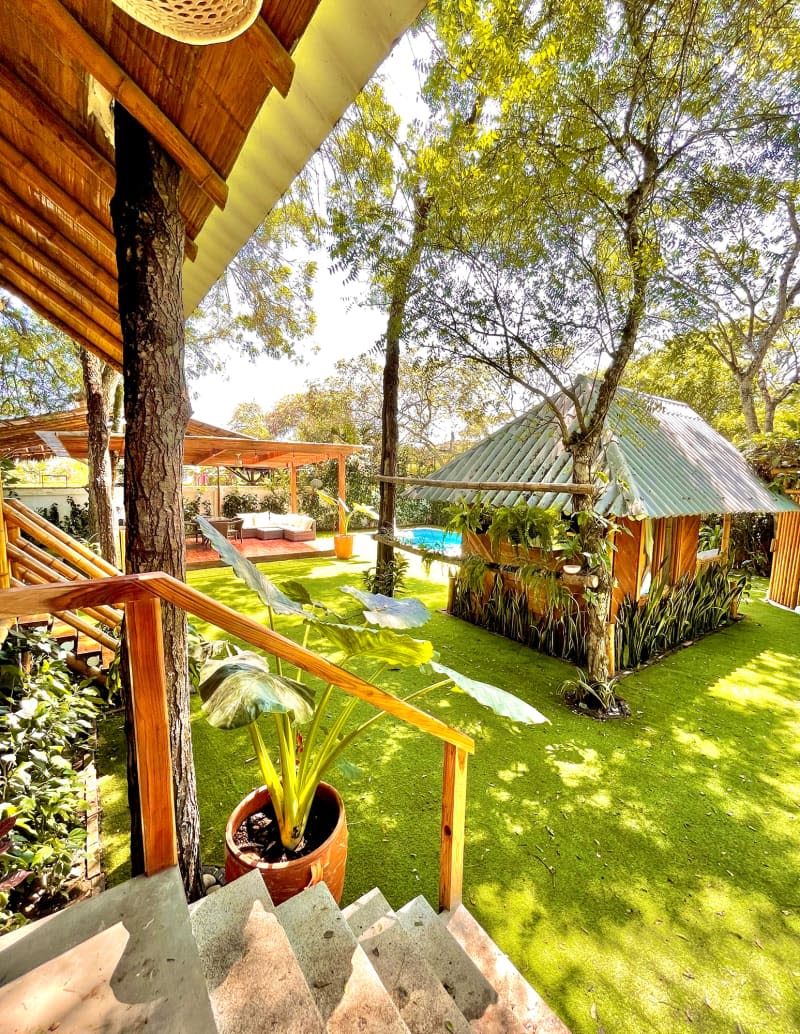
pixel 662 470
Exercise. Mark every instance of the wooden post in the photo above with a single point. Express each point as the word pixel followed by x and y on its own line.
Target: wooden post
pixel 151 724
pixel 726 535
pixel 293 488
pixel 5 570
pixel 451 852
pixel 342 492
pixel 219 495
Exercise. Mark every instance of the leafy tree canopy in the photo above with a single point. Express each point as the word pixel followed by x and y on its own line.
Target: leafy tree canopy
pixel 39 367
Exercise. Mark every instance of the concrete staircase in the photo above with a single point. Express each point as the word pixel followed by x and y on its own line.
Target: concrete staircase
pixel 135 959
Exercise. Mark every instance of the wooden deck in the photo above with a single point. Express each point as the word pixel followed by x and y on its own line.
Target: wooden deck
pixel 200 557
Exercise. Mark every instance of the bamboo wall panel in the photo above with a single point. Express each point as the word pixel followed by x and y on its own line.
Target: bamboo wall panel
pixel 685 541
pixel 784 582
pixel 626 562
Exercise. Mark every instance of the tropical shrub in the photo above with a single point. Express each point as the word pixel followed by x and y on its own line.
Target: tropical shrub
pixel 388 579
pixel 45 719
pixel 74 523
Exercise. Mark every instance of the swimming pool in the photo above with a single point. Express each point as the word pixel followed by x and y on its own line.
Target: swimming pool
pixel 432 538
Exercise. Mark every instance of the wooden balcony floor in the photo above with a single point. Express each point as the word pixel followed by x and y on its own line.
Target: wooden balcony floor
pixel 200 556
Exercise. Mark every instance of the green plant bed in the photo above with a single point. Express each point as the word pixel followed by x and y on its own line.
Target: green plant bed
pixel 641 874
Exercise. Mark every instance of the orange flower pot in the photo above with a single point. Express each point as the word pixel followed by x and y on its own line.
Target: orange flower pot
pixel 343 546
pixel 283 880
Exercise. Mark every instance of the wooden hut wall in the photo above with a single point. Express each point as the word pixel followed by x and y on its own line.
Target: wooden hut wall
pixel 784 582
pixel 627 561
pixel 685 540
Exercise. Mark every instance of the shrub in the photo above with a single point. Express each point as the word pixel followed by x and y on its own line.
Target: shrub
pixel 74 523
pixel 45 719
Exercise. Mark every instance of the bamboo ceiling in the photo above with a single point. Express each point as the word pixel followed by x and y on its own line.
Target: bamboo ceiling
pixel 60 65
pixel 64 434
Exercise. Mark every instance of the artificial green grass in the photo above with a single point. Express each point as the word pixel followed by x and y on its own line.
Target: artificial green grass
pixel 641 874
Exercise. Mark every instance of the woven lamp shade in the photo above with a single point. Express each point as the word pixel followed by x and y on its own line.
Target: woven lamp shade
pixel 194 21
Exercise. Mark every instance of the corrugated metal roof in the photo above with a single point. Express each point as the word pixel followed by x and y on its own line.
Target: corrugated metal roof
pixel 660 457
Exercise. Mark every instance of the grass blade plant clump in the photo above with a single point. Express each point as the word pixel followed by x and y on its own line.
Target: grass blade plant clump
pixel 675 614
pixel 310 735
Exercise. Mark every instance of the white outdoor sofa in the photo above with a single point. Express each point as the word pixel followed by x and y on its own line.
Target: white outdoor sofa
pixel 294 527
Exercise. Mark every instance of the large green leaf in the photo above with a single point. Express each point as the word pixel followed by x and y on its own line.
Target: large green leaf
pixel 269 593
pixel 297 592
pixel 389 612
pixel 496 699
pixel 235 693
pixel 381 643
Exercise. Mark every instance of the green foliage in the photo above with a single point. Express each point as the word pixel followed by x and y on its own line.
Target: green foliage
pixel 74 523
pixel 45 719
pixel 39 367
pixel 237 691
pixel 250 502
pixel 710 536
pixel 348 510
pixel 592 695
pixel 674 614
pixel 197 507
pixel 389 579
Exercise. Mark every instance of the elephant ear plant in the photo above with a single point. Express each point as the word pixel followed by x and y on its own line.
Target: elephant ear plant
pixel 238 691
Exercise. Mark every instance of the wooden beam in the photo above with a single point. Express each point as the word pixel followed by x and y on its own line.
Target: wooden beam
pixel 36 179
pixel 277 61
pixel 496 486
pixel 454 804
pixel 5 569
pixel 60 134
pixel 151 724
pixel 74 39
pixel 52 307
pixel 43 235
pixel 15 248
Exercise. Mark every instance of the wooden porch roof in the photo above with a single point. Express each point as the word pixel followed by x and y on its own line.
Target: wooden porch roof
pixel 218 110
pixel 64 434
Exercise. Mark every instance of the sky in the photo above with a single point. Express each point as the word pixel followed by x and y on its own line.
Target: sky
pixel 345 328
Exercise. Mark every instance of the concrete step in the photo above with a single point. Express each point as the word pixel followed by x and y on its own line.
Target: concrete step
pixel 254 981
pixel 424 1004
pixel 475 997
pixel 346 988
pixel 121 962
pixel 511 987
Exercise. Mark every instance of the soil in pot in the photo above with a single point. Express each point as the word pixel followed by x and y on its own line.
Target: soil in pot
pixel 260 836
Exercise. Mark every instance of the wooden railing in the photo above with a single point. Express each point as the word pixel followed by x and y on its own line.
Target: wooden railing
pixel 142 595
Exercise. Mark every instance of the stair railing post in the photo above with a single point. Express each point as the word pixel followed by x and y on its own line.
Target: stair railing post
pixel 151 731
pixel 451 852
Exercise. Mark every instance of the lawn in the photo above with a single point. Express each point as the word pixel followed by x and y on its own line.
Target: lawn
pixel 642 874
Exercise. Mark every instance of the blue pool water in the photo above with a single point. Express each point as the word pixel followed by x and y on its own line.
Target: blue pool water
pixel 432 538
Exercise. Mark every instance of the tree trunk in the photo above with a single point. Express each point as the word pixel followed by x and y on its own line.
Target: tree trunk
pixel 117 413
pixel 747 396
pixel 391 379
pixel 592 534
pixel 100 487
pixel 150 234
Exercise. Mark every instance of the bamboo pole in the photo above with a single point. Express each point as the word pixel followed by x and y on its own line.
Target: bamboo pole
pixel 568 488
pixel 29 558
pixel 34 176
pixel 54 538
pixel 278 63
pixel 451 850
pixel 37 229
pixel 46 312
pixel 75 40
pixel 69 617
pixel 85 298
pixel 341 474
pixel 5 569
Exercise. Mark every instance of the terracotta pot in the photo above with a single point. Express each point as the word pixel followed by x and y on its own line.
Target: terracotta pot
pixel 343 546
pixel 285 879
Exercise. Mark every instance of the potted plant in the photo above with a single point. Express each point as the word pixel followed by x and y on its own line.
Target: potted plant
pixel 295 813
pixel 343 540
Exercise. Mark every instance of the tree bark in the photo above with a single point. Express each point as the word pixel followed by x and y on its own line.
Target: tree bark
pixel 101 486
pixel 391 381
pixel 747 396
pixel 150 234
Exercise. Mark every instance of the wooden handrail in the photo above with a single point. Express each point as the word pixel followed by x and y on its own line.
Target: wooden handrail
pixel 142 594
